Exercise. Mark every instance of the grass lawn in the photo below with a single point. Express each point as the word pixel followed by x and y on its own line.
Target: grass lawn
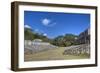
pixel 55 54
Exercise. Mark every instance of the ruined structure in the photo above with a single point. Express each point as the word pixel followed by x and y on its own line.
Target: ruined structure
pixel 84 37
pixel 37 45
pixel 77 50
pixel 83 47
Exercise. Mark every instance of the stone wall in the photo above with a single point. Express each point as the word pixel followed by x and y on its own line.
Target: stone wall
pixel 77 50
pixel 84 37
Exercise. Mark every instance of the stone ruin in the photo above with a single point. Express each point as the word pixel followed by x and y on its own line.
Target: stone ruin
pixel 37 45
pixel 77 50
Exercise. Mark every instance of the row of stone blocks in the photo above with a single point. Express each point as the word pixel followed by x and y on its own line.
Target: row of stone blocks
pixel 77 50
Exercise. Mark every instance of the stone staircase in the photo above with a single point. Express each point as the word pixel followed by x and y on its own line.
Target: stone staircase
pixel 35 48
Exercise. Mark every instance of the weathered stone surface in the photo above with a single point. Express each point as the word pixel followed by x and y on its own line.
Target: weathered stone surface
pixel 77 50
pixel 34 48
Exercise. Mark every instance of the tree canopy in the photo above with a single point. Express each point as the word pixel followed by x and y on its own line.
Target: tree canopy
pixel 65 40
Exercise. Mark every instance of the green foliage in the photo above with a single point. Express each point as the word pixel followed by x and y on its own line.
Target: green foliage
pixel 31 35
pixel 28 34
pixel 66 40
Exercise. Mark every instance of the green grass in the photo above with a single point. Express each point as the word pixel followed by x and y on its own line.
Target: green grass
pixel 55 54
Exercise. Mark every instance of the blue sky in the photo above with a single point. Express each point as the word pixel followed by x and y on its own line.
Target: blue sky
pixel 53 24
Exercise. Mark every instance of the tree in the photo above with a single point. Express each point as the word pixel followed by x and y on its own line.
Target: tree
pixel 31 35
pixel 66 40
pixel 28 34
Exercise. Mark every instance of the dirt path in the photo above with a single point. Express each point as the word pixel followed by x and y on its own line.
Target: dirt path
pixel 53 54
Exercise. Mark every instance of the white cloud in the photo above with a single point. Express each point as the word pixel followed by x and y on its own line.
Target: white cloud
pixel 45 34
pixel 27 26
pixel 46 21
pixel 52 24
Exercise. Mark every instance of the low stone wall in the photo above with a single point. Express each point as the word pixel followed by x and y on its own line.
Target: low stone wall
pixel 77 50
